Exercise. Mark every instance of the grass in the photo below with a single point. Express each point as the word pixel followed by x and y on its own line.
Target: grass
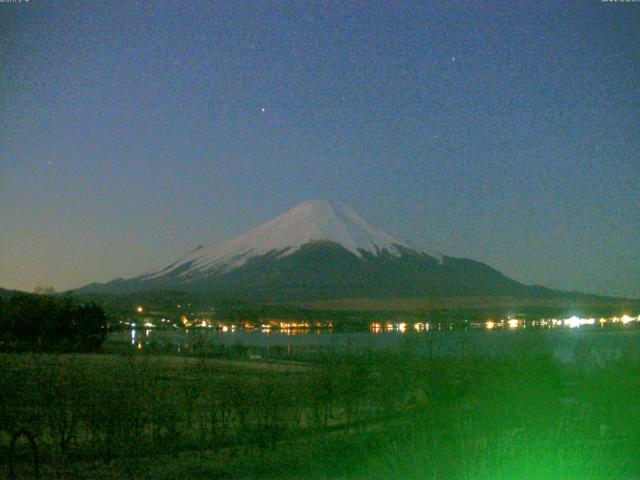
pixel 387 415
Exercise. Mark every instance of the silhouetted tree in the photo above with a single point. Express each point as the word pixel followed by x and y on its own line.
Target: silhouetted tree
pixel 38 322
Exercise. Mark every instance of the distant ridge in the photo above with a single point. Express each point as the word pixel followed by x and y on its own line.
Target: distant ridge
pixel 4 292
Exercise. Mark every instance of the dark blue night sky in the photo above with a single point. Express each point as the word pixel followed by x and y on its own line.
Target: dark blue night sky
pixel 508 132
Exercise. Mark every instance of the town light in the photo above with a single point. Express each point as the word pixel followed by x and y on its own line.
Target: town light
pixel 573 322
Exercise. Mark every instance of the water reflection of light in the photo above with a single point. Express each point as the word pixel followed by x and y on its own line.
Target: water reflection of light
pixel 133 336
pixel 295 331
pixel 402 327
pixel 375 328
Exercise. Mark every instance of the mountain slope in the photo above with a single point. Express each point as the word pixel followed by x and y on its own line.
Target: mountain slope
pixel 325 270
pixel 322 250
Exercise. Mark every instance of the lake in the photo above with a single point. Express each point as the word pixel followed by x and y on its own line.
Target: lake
pixel 595 343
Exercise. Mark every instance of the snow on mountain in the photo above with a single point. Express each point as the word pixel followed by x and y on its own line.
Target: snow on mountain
pixel 310 221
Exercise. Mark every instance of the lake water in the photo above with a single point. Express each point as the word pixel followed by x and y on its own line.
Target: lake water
pixel 586 344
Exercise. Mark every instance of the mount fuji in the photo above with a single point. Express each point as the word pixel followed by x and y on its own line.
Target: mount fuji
pixel 321 250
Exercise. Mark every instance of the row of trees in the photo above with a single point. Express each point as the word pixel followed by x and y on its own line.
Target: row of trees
pixel 47 323
pixel 141 405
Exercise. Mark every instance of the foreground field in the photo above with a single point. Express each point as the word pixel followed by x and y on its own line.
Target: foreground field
pixel 373 415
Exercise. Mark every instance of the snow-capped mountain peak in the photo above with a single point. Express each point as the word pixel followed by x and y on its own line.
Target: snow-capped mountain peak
pixel 310 221
pixel 322 250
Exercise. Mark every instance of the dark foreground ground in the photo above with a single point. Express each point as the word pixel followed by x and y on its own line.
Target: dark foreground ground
pixel 386 415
